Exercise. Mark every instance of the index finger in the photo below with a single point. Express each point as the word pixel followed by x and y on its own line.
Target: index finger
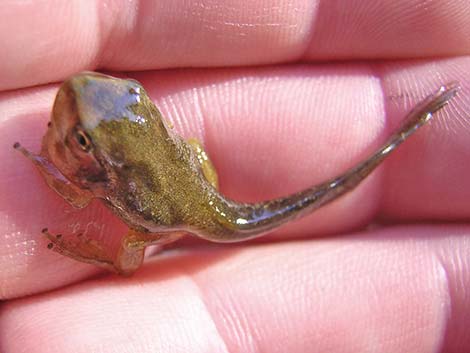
pixel 46 41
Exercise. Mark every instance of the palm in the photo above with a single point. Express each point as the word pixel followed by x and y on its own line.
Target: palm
pixel 270 131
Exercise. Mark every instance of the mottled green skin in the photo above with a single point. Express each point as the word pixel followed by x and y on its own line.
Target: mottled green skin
pixel 155 181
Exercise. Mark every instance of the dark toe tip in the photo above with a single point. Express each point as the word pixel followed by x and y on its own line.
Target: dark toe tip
pixel 16 145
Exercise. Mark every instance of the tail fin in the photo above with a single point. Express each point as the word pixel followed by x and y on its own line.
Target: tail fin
pixel 256 219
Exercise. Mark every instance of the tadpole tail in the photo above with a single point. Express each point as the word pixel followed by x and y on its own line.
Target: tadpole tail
pixel 256 219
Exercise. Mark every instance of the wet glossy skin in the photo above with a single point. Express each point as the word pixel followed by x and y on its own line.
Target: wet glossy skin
pixel 107 140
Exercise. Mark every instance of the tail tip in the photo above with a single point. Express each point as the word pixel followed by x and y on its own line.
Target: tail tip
pixel 450 88
pixel 441 97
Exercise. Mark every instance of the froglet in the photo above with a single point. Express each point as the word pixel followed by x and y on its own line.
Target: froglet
pixel 107 140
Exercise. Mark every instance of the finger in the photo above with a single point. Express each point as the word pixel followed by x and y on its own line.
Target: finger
pixel 139 35
pixel 270 132
pixel 398 290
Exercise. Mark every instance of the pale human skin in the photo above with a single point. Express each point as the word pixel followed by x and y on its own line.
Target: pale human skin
pixel 339 287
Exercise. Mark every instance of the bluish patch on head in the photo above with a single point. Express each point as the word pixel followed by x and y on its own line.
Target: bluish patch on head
pixel 103 98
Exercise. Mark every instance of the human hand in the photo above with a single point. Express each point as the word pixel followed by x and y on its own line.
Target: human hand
pixel 270 131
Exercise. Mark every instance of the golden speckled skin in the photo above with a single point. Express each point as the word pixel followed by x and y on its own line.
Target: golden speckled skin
pixel 108 140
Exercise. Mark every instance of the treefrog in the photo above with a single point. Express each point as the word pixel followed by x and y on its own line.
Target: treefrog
pixel 107 140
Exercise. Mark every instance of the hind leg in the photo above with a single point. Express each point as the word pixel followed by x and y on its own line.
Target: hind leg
pixel 126 261
pixel 207 167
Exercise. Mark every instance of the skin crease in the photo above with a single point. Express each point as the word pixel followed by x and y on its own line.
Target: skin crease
pixel 398 288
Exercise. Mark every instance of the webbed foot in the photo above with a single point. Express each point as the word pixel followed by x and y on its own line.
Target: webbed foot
pixel 80 248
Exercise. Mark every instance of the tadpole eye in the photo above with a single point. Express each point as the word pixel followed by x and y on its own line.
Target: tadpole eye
pixel 83 140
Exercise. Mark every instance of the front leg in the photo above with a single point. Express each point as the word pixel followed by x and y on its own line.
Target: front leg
pixel 126 261
pixel 77 197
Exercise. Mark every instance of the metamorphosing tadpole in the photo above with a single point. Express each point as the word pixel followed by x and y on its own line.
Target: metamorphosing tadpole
pixel 107 140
